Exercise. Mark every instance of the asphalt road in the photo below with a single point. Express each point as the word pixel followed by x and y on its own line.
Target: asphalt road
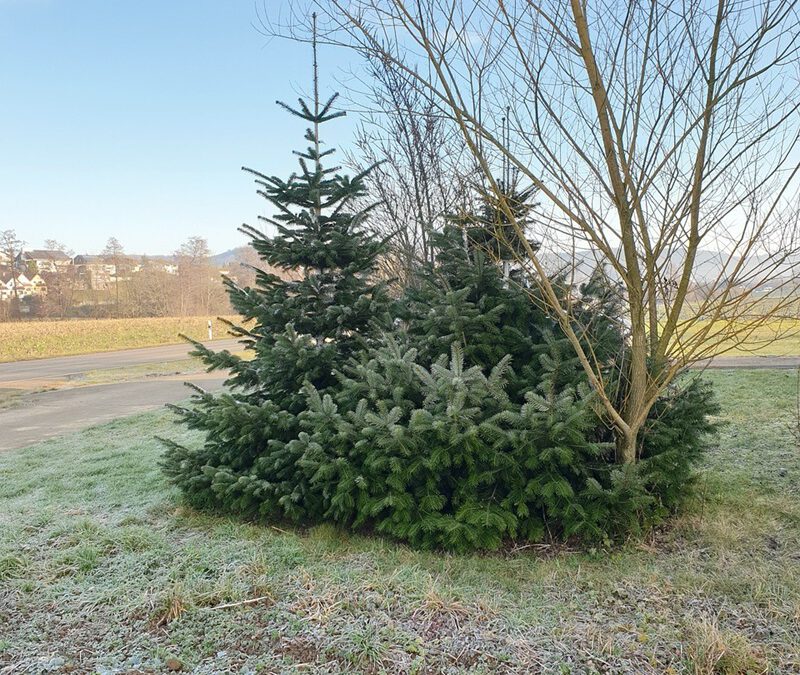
pixel 36 417
pixel 779 362
pixel 63 367
pixel 50 414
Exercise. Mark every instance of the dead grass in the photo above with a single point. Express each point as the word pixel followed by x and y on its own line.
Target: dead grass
pixel 41 339
pixel 188 366
pixel 712 651
pixel 103 570
pixel 10 398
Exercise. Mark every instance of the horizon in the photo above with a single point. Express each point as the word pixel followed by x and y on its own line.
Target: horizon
pixel 134 121
pixel 97 251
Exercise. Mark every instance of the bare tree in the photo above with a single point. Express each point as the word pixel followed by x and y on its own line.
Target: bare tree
pixel 194 276
pixel 243 266
pixel 61 282
pixel 113 249
pixel 114 254
pixel 55 245
pixel 11 248
pixel 152 290
pixel 661 136
pixel 417 161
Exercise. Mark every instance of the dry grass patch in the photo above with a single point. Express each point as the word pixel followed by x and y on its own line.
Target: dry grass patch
pixel 712 651
pixel 20 340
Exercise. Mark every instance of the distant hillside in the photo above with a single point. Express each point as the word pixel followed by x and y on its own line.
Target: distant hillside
pixel 707 265
pixel 226 257
pixel 219 260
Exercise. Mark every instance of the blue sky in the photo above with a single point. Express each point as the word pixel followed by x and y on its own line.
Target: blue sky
pixel 132 119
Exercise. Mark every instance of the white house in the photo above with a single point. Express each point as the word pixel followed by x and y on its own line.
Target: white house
pixel 44 260
pixel 6 289
pixel 25 287
pixel 95 271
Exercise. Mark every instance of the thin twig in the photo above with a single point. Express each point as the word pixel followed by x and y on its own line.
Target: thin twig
pixel 252 601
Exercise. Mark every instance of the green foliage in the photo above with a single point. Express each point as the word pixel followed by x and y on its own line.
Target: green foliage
pixel 324 306
pixel 420 462
pixel 492 231
pixel 468 425
pixel 465 298
pixel 244 464
pixel 443 458
pixel 675 438
pixel 306 323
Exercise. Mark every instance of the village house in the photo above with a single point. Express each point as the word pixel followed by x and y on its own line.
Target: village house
pixel 94 272
pixel 44 261
pixel 162 263
pixel 6 289
pixel 25 287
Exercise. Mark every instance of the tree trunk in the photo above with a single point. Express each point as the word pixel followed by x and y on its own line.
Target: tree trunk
pixel 634 411
pixel 627 446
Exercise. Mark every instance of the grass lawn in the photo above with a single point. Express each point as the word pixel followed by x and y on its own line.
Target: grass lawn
pixel 10 397
pixel 21 340
pixel 102 570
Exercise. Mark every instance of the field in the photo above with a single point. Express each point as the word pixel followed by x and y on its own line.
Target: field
pixel 40 339
pixel 103 570
pixel 776 337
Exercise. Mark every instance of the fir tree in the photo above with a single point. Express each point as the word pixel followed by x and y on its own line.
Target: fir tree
pixel 465 297
pixel 300 327
pixel 497 227
pixel 494 232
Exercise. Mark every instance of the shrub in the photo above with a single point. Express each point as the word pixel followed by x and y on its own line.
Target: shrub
pixel 442 458
pixel 454 451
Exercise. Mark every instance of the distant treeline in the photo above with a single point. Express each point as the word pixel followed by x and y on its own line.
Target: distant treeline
pixel 55 283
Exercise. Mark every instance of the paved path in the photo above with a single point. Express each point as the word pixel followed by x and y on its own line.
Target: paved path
pixel 752 362
pixel 55 413
pixel 48 414
pixel 62 367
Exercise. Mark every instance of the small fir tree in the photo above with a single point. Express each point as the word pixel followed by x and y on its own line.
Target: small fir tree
pixel 493 231
pixel 466 298
pixel 302 325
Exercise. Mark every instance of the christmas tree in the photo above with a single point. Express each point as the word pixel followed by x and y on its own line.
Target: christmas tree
pixel 300 326
pixel 498 226
pixel 467 296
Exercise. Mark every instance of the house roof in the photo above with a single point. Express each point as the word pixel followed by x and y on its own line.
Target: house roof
pixel 22 280
pixel 45 254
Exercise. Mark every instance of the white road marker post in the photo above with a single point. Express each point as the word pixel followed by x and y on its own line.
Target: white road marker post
pixel 210 331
